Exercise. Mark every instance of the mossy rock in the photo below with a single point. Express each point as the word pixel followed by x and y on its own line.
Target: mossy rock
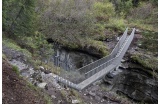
pixel 149 63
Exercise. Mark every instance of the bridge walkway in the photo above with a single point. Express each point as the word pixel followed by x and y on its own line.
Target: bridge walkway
pixel 104 65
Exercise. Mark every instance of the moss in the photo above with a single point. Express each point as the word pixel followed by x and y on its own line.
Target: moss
pixel 150 64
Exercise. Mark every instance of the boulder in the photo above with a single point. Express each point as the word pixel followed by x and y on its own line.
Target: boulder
pixel 92 94
pixel 42 85
pixel 75 101
pixel 110 75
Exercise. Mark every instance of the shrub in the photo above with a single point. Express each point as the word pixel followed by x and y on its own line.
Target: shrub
pixel 145 17
pixel 67 18
pixel 117 24
pixel 103 11
pixel 142 12
pixel 44 50
pixel 123 7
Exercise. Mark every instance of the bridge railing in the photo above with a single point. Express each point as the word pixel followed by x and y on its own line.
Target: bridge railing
pixel 97 63
pixel 119 44
pixel 99 68
pixel 116 60
pixel 125 47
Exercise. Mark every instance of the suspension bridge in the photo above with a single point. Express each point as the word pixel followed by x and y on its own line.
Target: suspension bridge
pixel 96 70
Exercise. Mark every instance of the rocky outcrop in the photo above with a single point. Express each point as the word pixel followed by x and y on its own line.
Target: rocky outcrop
pixel 136 85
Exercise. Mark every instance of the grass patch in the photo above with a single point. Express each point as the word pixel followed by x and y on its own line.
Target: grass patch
pixel 140 24
pixel 11 44
pixel 87 44
pixel 149 63
pixel 99 46
pixel 15 69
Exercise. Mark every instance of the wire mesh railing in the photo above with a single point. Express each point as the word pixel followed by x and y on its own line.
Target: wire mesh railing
pixel 97 73
pixel 97 63
pixel 118 55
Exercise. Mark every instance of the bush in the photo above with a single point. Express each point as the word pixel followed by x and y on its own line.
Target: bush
pixel 103 11
pixel 142 12
pixel 43 49
pixel 145 17
pixel 117 24
pixel 67 18
pixel 123 6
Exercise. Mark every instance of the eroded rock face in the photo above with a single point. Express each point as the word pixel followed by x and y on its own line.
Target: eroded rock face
pixel 69 60
pixel 137 86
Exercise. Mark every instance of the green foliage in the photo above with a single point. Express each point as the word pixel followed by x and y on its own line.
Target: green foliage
pixel 19 17
pixel 117 24
pixel 15 69
pixel 144 17
pixel 123 7
pixel 28 43
pixel 67 18
pixel 103 10
pixel 44 50
pixel 73 24
pixel 150 41
pixel 143 11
